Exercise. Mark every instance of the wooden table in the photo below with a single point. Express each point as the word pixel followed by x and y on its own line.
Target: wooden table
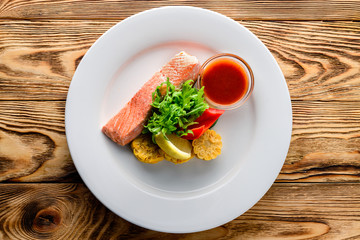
pixel 317 193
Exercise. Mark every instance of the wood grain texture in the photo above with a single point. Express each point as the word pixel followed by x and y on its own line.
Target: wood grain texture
pixel 320 60
pixel 38 60
pixel 324 146
pixel 325 143
pixel 287 211
pixel 237 9
pixel 306 211
pixel 316 195
pixel 33 145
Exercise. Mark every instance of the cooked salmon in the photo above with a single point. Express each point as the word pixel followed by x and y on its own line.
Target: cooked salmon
pixel 128 123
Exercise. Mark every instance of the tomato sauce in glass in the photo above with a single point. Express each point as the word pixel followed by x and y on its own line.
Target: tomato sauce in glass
pixel 225 81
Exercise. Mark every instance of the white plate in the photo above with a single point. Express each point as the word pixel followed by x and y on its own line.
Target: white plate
pixel 197 195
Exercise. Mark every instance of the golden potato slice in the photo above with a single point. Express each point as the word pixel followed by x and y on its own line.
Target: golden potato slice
pixel 145 150
pixel 207 146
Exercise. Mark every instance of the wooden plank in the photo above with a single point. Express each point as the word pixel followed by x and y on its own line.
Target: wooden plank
pixel 287 211
pixel 237 9
pixel 303 211
pixel 315 57
pixel 324 146
pixel 38 60
pixel 325 142
pixel 320 60
pixel 33 145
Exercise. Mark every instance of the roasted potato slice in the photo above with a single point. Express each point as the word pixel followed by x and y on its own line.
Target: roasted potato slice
pixel 207 146
pixel 145 150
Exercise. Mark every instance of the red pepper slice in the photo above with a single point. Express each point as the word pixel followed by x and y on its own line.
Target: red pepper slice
pixel 208 117
pixel 197 132
pixel 205 121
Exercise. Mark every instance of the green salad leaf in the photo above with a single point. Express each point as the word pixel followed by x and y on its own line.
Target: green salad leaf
pixel 175 109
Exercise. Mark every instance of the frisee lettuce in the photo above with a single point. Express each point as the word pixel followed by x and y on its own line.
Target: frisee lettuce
pixel 175 111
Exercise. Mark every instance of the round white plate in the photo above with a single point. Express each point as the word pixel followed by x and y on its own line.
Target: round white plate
pixel 197 195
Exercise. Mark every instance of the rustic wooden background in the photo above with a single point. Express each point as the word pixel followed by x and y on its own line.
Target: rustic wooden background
pixel 317 193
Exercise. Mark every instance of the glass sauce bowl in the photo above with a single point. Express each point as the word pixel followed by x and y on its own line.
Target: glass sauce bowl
pixel 227 79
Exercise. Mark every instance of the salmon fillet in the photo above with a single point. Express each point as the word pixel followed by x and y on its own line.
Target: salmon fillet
pixel 128 123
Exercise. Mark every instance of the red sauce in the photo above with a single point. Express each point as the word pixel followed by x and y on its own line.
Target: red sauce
pixel 225 81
